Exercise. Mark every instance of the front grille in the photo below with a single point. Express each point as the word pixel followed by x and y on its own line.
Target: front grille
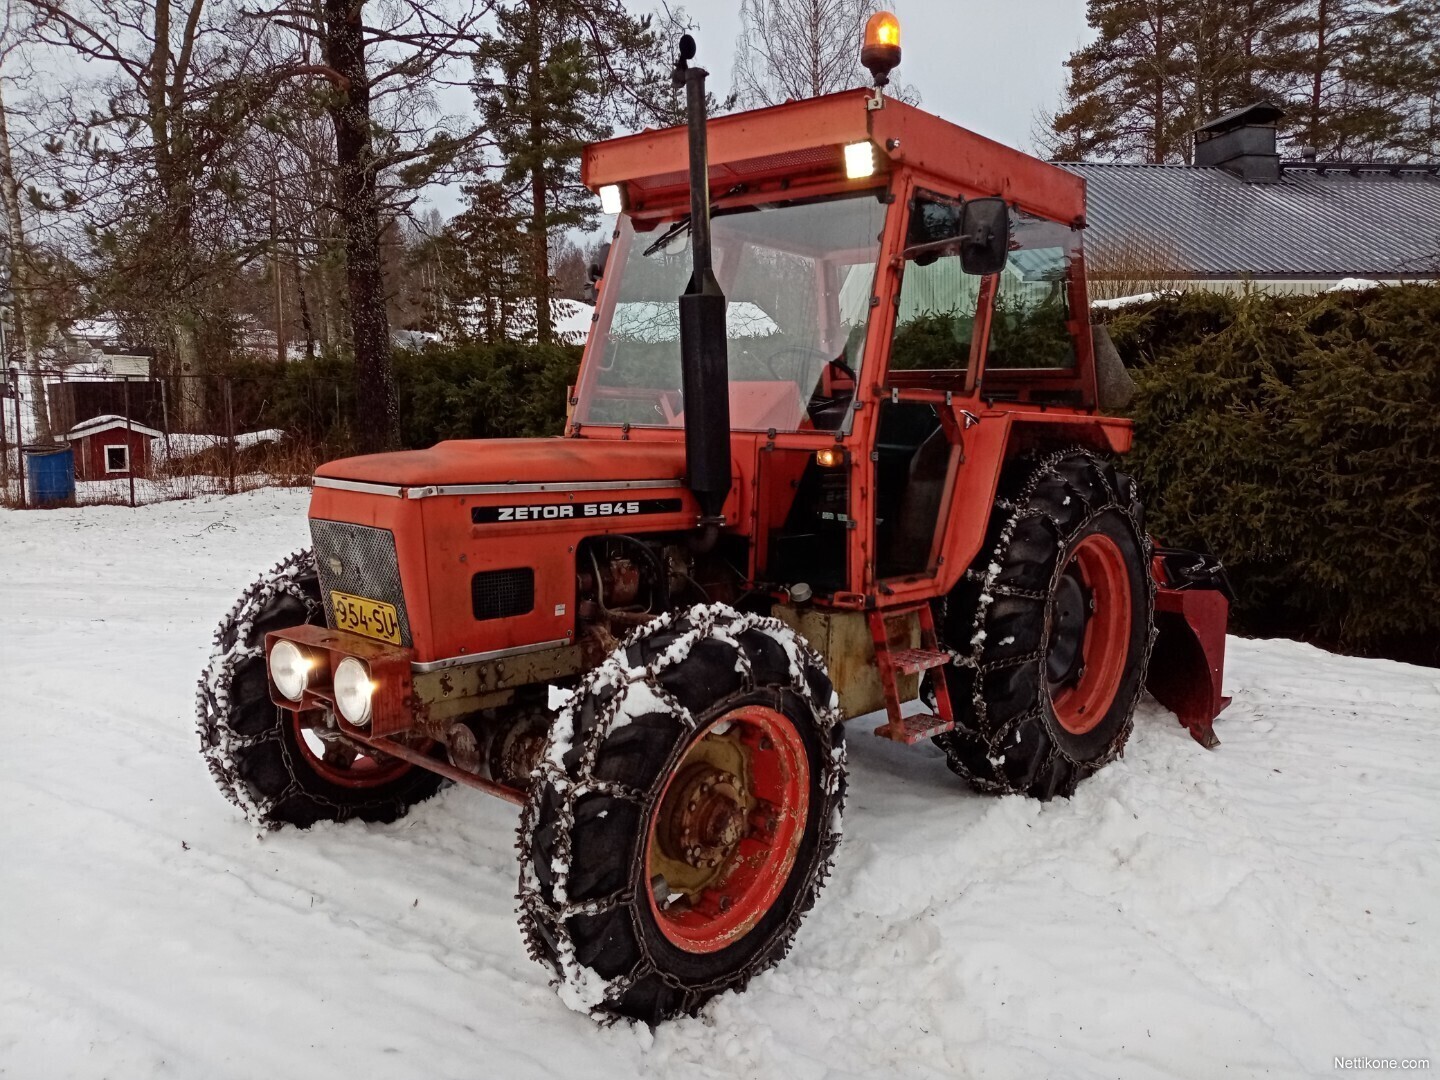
pixel 359 560
pixel 500 594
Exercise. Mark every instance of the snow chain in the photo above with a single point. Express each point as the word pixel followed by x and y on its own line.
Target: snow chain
pixel 543 923
pixel 1019 508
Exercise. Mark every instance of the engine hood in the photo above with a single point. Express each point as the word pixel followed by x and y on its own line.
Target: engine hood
pixel 514 461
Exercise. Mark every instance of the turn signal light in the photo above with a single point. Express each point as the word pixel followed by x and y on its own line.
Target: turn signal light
pixel 830 457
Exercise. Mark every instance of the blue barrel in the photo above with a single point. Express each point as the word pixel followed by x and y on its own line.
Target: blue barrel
pixel 50 475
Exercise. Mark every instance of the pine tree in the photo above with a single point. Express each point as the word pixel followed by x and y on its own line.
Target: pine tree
pixel 1124 93
pixel 552 76
pixel 487 267
pixel 1360 79
pixel 1394 65
pixel 1158 69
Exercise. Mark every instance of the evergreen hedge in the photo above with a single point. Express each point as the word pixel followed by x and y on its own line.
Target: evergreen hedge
pixel 1298 438
pixel 506 390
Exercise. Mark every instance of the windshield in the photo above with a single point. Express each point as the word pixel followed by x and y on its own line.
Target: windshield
pixel 798 278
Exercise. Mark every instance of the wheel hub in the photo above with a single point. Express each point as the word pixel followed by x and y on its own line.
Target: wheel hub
pixel 726 829
pixel 1089 633
pixel 707 818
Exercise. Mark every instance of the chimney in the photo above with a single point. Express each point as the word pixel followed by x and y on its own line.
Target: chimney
pixel 1243 143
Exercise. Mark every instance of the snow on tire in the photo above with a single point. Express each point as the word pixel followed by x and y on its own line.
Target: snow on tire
pixel 684 815
pixel 1054 660
pixel 265 759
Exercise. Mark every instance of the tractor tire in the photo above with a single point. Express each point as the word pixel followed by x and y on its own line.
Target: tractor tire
pixel 684 815
pixel 1051 629
pixel 277 771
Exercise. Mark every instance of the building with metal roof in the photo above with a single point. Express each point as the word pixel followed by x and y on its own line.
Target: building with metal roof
pixel 1241 216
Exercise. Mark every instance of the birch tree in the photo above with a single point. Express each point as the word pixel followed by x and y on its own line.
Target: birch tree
pixel 148 160
pixel 794 49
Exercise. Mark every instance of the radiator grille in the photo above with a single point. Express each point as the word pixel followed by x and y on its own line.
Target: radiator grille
pixel 359 560
pixel 500 594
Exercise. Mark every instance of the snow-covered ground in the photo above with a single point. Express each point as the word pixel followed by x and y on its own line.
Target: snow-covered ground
pixel 1258 910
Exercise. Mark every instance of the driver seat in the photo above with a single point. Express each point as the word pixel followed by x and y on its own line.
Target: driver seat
pixel 920 505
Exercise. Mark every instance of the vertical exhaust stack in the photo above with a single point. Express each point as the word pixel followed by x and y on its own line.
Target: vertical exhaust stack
pixel 704 360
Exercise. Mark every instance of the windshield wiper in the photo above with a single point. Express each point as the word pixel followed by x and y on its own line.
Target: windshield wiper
pixel 665 237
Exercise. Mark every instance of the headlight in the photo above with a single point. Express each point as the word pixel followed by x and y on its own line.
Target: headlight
pixel 353 691
pixel 290 669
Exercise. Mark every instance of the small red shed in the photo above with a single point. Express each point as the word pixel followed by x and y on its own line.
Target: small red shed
pixel 107 448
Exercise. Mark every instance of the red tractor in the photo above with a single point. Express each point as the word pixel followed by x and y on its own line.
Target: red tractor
pixel 875 479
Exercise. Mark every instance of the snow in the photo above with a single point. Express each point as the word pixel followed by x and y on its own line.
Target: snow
pixel 96 423
pixel 1131 301
pixel 1255 910
pixel 1353 284
pixel 180 445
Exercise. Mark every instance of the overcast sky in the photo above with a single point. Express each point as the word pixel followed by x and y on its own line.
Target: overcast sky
pixel 984 65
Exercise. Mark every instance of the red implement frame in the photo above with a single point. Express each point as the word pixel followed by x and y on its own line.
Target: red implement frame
pixel 1187 664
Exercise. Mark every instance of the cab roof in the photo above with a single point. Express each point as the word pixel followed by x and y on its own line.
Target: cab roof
pixel 806 139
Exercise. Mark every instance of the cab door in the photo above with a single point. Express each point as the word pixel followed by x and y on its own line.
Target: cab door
pixel 935 343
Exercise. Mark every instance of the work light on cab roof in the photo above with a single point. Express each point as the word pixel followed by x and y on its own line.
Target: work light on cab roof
pixel 836 446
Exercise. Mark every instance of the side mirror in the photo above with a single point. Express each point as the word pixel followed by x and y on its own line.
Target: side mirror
pixel 595 272
pixel 597 268
pixel 984 236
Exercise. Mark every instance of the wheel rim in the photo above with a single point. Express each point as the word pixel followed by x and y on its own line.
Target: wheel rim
pixel 341 761
pixel 726 829
pixel 1086 655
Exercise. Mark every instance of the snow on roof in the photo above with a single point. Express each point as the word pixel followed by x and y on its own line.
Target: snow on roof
pixel 184 445
pixel 104 423
pixel 1131 301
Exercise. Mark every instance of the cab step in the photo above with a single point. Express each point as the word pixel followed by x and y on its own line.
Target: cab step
pixel 892 663
pixel 913 729
pixel 914 661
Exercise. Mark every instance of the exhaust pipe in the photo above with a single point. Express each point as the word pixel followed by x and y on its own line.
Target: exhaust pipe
pixel 704 360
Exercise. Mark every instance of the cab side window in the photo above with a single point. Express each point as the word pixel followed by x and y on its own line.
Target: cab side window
pixel 1030 324
pixel 936 316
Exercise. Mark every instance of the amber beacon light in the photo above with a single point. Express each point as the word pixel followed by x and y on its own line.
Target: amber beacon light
pixel 881 51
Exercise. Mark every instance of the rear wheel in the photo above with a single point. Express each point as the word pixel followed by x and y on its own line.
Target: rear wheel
pixel 684 816
pixel 280 767
pixel 1054 624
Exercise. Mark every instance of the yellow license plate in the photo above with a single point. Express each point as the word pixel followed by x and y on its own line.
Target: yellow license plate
pixel 372 618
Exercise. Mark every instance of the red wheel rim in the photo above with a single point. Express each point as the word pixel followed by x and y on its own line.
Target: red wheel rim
pixel 345 763
pixel 748 826
pixel 1100 566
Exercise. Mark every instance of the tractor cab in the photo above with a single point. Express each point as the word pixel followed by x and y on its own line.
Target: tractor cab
pixel 890 279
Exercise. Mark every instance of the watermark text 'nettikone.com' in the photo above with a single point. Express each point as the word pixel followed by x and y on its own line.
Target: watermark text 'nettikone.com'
pixel 1375 1063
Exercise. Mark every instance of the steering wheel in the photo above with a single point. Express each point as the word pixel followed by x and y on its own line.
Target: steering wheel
pixel 800 354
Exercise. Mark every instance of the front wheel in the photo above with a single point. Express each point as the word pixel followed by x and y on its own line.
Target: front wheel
pixel 684 816
pixel 281 767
